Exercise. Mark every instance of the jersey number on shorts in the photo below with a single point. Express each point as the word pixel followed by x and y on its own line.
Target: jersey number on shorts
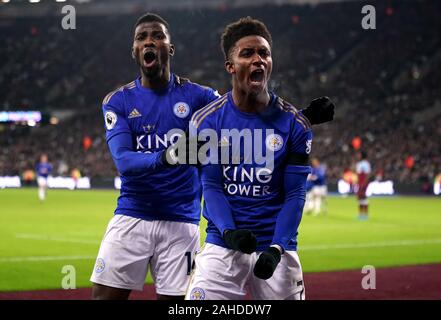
pixel 190 264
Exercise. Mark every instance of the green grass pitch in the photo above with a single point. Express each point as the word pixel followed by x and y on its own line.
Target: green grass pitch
pixel 38 239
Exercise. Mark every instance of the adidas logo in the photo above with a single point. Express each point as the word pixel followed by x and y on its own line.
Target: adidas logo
pixel 135 113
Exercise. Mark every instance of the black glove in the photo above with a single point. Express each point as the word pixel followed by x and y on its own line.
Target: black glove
pixel 267 263
pixel 184 151
pixel 241 240
pixel 319 111
pixel 169 157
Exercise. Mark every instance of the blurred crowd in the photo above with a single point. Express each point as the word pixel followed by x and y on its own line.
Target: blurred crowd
pixel 384 81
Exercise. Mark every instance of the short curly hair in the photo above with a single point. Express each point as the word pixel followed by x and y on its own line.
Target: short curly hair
pixel 241 28
pixel 151 17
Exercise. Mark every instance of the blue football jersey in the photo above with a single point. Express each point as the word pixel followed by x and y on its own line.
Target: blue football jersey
pixel 319 174
pixel 43 169
pixel 255 191
pixel 309 185
pixel 169 193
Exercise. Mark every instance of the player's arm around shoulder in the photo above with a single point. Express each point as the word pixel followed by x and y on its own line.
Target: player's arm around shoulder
pixel 203 134
pixel 203 96
pixel 203 124
pixel 119 137
pixel 201 118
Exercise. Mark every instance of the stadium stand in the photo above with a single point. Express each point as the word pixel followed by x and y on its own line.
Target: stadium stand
pixel 385 82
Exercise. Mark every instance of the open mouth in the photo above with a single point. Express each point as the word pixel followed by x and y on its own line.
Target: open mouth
pixel 257 76
pixel 149 58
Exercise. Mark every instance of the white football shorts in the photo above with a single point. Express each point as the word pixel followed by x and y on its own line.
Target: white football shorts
pixel 42 182
pixel 131 246
pixel 225 274
pixel 319 191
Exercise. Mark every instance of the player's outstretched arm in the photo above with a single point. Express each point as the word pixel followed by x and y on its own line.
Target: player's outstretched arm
pixel 319 111
pixel 214 197
pixel 119 137
pixel 128 161
pixel 287 222
pixel 220 212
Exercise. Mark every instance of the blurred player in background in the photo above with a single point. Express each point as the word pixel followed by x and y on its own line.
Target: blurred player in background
pixel 363 170
pixel 156 220
pixel 43 170
pixel 350 177
pixel 240 221
pixel 76 176
pixel 309 204
pixel 316 197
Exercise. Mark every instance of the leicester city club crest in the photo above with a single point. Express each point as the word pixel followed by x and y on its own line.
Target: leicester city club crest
pixel 181 109
pixel 99 265
pixel 274 142
pixel 197 294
